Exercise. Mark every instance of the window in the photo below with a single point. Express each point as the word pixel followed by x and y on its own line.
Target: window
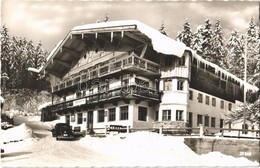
pixel 156 116
pixel 124 113
pixel 179 115
pixel 168 60
pixel 101 115
pixel 112 114
pixel 222 104
pixel 200 98
pixel 142 83
pixel 84 93
pixel 244 127
pixel 181 61
pixel 73 118
pixel 78 95
pixel 168 85
pixel 125 82
pixel 79 118
pixel 199 119
pixel 166 115
pixel 142 113
pixel 229 106
pixel 213 102
pixel 213 122
pixel 91 91
pixel 207 121
pixel 207 100
pixel 191 95
pixel 180 85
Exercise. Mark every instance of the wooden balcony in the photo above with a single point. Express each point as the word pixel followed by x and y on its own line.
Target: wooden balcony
pixel 130 62
pixel 180 71
pixel 125 92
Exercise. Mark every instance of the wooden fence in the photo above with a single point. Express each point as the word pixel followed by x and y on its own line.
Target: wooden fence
pixel 186 131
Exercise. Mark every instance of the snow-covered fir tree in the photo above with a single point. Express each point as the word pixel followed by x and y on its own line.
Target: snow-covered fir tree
pixel 252 48
pixel 207 42
pixel 218 47
pixel 17 56
pixel 235 50
pixel 196 43
pixel 5 49
pixel 186 34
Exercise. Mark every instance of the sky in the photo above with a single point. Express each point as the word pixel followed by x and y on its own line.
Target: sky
pixel 50 21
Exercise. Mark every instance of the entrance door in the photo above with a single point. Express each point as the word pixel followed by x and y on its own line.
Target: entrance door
pixel 90 122
pixel 190 119
pixel 67 118
pixel 221 124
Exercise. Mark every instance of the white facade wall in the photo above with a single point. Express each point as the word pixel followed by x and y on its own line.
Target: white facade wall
pixel 208 109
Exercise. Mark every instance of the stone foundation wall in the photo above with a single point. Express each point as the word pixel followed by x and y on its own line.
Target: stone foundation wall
pixel 248 148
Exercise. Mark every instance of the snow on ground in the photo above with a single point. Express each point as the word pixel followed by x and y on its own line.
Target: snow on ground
pixel 133 149
pixel 152 149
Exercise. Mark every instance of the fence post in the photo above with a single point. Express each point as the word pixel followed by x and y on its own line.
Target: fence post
pixel 222 134
pixel 238 134
pixel 160 130
pixel 127 129
pixel 201 130
pixel 105 129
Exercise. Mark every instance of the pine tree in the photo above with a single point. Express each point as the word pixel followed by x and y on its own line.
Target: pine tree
pixel 235 50
pixel 186 35
pixel 207 44
pixel 5 54
pixel 218 47
pixel 252 50
pixel 17 56
pixel 255 77
pixel 196 43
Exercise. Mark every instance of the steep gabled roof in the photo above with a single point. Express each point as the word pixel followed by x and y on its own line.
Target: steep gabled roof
pixel 68 52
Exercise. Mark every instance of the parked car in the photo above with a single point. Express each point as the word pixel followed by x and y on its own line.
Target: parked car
pixel 62 131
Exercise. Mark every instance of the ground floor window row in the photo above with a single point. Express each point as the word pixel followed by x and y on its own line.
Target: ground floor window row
pixel 206 120
pixel 167 115
pixel 111 114
pixel 207 100
pixel 72 118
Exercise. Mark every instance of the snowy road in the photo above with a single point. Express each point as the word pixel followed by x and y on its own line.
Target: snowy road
pixel 52 153
pixel 140 149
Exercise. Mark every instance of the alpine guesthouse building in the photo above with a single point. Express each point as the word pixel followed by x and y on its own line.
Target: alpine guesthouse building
pixel 127 73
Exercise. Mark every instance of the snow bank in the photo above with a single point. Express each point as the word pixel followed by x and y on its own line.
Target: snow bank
pixel 152 149
pixel 18 133
pixel 219 159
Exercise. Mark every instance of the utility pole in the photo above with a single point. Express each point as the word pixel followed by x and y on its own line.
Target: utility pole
pixel 245 89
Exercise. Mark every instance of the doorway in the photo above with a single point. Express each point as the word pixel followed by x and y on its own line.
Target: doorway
pixel 67 118
pixel 190 119
pixel 90 122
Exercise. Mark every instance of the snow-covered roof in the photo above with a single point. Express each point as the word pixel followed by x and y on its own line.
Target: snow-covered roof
pixel 161 43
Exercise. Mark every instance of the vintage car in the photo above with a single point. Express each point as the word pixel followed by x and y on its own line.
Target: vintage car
pixel 62 131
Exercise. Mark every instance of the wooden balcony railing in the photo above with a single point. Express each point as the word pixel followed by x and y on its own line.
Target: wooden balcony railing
pixel 181 71
pixel 121 63
pixel 132 90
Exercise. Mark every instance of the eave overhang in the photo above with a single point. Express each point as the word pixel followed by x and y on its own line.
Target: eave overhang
pixel 68 52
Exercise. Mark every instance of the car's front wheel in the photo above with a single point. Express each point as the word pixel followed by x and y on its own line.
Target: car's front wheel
pixel 57 138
